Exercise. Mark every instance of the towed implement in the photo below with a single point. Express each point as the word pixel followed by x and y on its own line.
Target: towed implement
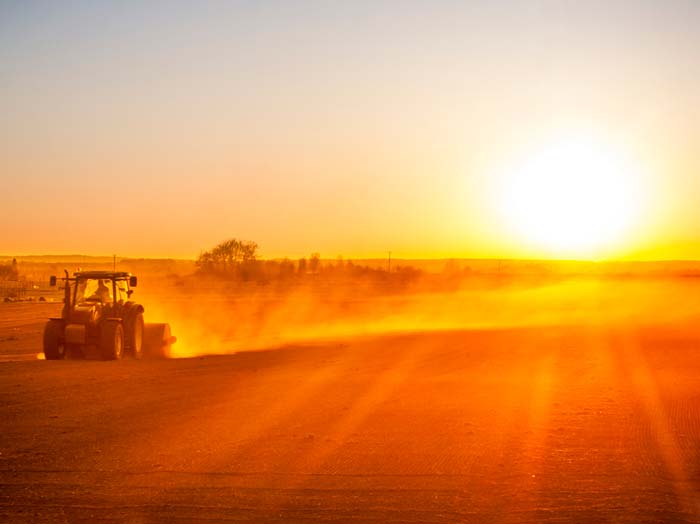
pixel 99 316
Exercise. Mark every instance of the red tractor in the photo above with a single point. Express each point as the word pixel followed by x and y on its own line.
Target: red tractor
pixel 99 315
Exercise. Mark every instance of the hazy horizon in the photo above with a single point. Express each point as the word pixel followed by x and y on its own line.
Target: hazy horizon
pixel 359 259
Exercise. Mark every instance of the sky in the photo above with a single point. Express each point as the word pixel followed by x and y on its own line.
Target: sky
pixel 158 129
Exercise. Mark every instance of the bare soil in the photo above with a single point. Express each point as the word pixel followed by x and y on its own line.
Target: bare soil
pixel 22 327
pixel 594 422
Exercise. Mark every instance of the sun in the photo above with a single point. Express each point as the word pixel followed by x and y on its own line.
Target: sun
pixel 572 198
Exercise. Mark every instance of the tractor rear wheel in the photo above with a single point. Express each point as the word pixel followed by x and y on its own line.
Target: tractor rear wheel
pixel 111 340
pixel 54 346
pixel 133 336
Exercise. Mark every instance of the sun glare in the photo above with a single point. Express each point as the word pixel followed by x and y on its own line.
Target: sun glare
pixel 574 198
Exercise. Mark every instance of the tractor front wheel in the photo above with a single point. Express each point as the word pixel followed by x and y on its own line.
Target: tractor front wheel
pixel 54 345
pixel 111 340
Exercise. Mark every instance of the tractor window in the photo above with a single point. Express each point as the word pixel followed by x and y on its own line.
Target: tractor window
pixel 122 288
pixel 80 291
pixel 91 290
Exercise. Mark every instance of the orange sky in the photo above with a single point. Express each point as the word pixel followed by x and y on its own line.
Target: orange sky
pixel 352 130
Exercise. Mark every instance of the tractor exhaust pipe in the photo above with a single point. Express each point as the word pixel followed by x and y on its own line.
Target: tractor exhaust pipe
pixel 65 313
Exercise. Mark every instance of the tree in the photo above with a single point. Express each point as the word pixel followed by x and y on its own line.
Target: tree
pixel 314 262
pixel 228 255
pixel 286 268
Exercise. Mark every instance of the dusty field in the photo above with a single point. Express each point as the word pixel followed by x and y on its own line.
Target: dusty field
pixel 595 421
pixel 21 328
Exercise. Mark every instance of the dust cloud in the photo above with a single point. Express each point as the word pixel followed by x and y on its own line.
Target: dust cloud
pixel 215 319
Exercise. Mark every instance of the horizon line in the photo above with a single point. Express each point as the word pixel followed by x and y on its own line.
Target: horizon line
pixel 394 258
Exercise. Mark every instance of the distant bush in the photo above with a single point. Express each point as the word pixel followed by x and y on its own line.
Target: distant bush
pixel 9 271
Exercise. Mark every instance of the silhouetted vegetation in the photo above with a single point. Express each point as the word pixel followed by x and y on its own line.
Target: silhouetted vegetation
pixel 9 271
pixel 231 257
pixel 237 260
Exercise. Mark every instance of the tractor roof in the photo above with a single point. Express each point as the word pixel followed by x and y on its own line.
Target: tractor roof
pixel 115 275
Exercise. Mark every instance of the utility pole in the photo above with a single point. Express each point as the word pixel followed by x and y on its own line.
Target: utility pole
pixel 389 263
pixel 114 262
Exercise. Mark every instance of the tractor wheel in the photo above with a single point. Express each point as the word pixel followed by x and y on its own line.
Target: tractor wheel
pixel 111 340
pixel 157 340
pixel 133 336
pixel 54 346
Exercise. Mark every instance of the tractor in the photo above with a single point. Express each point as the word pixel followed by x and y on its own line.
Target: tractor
pixel 99 316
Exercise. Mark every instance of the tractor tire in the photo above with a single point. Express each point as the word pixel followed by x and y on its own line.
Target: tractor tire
pixel 111 340
pixel 54 345
pixel 133 336
pixel 157 340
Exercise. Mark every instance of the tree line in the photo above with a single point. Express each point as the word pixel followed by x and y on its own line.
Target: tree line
pixel 235 259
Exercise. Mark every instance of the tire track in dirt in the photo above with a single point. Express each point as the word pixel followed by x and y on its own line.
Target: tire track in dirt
pixel 21 329
pixel 515 409
pixel 339 431
pixel 667 465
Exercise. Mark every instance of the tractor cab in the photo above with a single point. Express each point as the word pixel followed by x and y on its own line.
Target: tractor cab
pixel 103 288
pixel 97 287
pixel 91 296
